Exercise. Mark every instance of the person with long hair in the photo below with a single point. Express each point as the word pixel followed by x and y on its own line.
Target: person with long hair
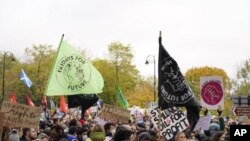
pixel 218 136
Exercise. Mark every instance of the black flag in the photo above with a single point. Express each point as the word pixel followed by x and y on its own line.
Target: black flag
pixel 85 101
pixel 173 89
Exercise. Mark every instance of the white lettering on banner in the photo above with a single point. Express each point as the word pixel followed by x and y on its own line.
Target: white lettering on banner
pixel 172 120
pixel 175 98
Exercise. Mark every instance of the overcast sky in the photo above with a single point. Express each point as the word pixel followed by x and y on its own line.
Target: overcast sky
pixel 195 32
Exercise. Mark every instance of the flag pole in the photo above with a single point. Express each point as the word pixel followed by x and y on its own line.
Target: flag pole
pixel 159 116
pixel 54 63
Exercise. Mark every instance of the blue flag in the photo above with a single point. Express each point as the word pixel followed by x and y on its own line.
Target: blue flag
pixel 25 79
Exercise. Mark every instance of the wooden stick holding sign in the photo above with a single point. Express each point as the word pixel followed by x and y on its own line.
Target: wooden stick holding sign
pixel 1 124
pixel 159 125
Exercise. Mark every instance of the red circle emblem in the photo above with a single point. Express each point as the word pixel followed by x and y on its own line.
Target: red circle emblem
pixel 212 93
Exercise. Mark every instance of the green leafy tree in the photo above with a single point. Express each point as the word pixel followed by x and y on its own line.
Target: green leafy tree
pixel 118 68
pixel 241 84
pixel 12 70
pixel 108 74
pixel 142 94
pixel 37 67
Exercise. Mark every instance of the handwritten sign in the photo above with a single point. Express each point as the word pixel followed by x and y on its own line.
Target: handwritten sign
pixel 114 114
pixel 203 123
pixel 172 120
pixel 21 115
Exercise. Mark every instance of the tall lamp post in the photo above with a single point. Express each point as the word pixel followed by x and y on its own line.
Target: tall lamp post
pixel 3 75
pixel 148 60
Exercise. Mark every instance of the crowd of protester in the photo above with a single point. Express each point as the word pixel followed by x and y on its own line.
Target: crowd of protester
pixel 74 128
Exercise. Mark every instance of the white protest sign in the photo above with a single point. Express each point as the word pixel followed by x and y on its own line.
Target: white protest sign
pixel 172 120
pixel 212 96
pixel 203 123
pixel 100 121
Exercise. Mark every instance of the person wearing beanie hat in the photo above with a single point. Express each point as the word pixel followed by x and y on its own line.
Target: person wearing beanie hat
pixel 214 127
pixel 97 134
pixel 14 136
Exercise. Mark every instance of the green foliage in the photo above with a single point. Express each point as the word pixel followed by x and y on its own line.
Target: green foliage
pixel 241 85
pixel 38 66
pixel 193 77
pixel 11 72
pixel 117 69
pixel 108 74
pixel 142 94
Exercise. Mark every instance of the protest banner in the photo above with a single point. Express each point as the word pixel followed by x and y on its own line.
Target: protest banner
pixel 203 123
pixel 212 96
pixel 21 115
pixel 172 121
pixel 114 114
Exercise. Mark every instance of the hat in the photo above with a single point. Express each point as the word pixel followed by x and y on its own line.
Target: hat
pixel 42 136
pixel 141 124
pixel 13 131
pixel 145 136
pixel 214 126
pixel 14 137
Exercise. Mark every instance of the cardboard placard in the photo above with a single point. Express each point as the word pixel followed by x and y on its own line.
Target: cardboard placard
pixel 172 120
pixel 114 114
pixel 21 115
pixel 203 123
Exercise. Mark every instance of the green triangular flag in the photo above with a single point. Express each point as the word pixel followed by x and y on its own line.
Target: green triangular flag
pixel 122 102
pixel 73 74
